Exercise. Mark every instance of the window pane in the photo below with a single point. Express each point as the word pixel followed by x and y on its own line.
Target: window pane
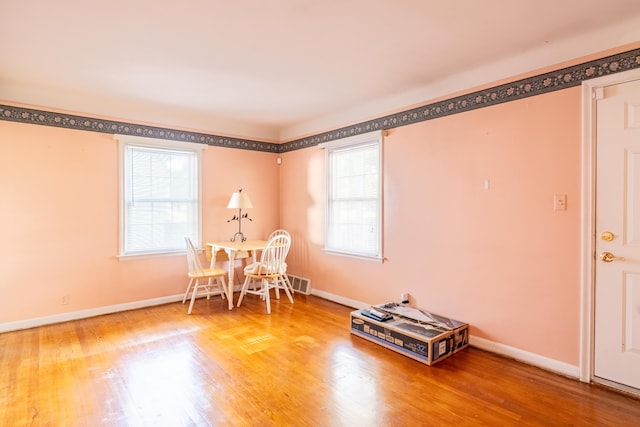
pixel 353 214
pixel 161 199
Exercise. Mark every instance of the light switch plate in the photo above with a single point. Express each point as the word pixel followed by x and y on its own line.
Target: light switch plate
pixel 560 202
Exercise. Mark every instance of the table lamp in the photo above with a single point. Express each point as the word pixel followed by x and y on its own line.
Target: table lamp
pixel 239 200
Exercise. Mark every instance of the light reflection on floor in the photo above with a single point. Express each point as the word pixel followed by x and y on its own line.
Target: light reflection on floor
pixel 355 389
pixel 160 386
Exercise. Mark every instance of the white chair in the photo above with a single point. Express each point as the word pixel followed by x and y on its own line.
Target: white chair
pixel 280 232
pixel 268 272
pixel 215 278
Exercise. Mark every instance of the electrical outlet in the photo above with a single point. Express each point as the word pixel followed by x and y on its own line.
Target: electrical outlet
pixel 65 300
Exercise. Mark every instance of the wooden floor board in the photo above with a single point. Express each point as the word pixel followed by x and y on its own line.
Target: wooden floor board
pixel 299 366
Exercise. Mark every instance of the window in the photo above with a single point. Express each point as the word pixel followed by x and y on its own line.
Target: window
pixel 354 196
pixel 159 195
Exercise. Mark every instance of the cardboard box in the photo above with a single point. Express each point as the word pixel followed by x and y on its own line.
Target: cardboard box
pixel 460 338
pixel 459 329
pixel 423 342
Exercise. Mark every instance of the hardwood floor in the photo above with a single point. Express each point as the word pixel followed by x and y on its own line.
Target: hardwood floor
pixel 300 366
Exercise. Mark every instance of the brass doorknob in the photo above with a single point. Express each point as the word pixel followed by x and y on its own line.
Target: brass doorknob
pixel 608 257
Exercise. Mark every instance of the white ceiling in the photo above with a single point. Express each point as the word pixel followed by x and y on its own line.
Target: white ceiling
pixel 279 69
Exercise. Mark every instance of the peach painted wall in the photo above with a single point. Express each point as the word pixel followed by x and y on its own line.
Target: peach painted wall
pixel 501 259
pixel 59 220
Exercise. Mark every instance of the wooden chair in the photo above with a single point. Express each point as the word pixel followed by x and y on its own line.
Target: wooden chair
pixel 273 234
pixel 268 271
pixel 280 232
pixel 215 278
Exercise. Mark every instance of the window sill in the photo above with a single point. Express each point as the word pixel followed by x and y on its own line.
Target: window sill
pixel 149 255
pixel 375 258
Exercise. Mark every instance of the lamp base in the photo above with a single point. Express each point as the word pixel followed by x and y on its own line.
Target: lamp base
pixel 242 238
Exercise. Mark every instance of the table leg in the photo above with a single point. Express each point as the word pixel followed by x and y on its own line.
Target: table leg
pixel 211 253
pixel 232 271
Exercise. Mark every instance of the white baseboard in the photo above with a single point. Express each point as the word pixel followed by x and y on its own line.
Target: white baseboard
pixel 526 357
pixel 340 300
pixel 482 343
pixel 83 314
pixel 92 312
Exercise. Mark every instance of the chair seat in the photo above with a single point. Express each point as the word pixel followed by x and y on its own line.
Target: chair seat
pixel 259 268
pixel 207 272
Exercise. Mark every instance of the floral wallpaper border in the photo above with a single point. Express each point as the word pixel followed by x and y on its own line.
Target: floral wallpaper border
pixel 69 121
pixel 536 85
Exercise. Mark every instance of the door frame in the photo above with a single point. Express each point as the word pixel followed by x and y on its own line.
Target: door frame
pixel 591 91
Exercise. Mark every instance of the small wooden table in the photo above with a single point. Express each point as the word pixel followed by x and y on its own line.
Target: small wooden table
pixel 233 250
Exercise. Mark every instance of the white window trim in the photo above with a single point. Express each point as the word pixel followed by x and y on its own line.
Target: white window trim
pixel 353 140
pixel 123 142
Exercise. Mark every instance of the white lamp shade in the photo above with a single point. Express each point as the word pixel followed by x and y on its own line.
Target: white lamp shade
pixel 239 200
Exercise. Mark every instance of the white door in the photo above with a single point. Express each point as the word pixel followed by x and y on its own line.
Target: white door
pixel 617 263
